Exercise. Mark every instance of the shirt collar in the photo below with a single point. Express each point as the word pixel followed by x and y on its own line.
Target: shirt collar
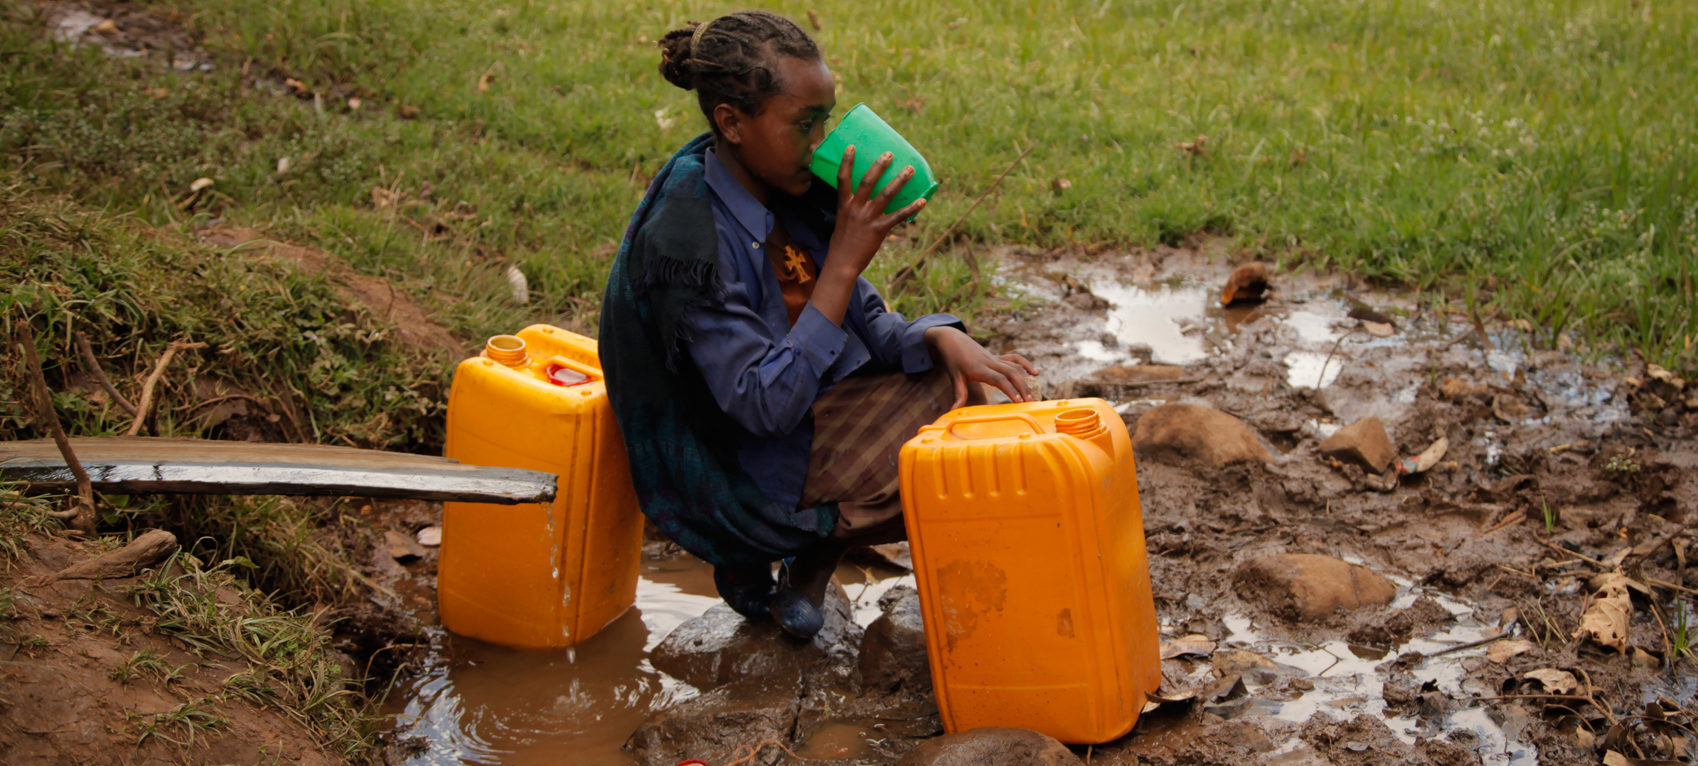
pixel 748 211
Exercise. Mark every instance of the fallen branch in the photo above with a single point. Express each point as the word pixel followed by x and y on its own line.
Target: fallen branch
pixel 93 367
pixel 81 513
pixel 146 550
pixel 153 379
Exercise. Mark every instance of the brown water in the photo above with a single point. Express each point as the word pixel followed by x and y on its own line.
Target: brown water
pixel 477 703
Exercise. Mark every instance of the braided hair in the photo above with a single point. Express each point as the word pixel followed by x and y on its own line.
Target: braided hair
pixel 733 59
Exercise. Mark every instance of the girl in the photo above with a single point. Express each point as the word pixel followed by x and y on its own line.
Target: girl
pixel 761 386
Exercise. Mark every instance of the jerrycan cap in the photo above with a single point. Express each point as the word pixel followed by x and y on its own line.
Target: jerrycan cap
pixel 561 375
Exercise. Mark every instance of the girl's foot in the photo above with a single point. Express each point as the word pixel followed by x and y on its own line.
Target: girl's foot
pixel 748 588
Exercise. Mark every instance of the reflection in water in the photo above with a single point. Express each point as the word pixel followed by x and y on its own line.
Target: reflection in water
pixel 477 703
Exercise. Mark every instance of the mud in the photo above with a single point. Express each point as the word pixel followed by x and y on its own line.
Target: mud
pixel 1533 435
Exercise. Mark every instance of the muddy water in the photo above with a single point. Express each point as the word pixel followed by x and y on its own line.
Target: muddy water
pixel 483 704
pixel 476 703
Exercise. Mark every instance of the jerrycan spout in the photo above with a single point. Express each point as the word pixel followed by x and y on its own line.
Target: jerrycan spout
pixel 1083 423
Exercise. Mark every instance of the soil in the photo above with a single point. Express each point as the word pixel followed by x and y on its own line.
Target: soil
pixel 75 694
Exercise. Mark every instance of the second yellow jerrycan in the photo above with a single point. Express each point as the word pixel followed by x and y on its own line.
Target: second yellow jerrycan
pixel 1028 549
pixel 539 576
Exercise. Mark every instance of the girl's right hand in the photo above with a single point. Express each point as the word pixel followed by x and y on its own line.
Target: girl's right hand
pixel 862 224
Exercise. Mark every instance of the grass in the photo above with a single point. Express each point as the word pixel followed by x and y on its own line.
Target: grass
pixel 147 662
pixel 1539 154
pixel 292 666
pixel 320 369
pixel 185 720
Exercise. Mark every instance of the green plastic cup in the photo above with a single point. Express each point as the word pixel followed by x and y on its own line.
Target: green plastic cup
pixel 872 137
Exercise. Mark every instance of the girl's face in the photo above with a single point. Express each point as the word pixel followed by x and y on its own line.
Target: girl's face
pixel 775 146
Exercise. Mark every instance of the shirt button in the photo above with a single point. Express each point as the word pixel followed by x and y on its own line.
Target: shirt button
pixel 755 245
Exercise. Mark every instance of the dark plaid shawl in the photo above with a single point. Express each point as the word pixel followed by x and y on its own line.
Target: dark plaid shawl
pixel 687 480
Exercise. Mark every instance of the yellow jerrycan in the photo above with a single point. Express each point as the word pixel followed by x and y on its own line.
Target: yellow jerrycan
pixel 538 576
pixel 1028 549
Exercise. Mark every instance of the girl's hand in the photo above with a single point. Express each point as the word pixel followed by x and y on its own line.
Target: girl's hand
pixel 966 360
pixel 862 225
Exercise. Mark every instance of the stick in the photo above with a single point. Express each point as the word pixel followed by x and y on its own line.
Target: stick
pixel 93 366
pixel 152 379
pixel 907 272
pixel 80 515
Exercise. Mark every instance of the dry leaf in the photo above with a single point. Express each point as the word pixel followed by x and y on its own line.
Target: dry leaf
pixel 296 86
pixel 1501 651
pixel 106 27
pixel 1607 619
pixel 1379 329
pixel 430 537
pixel 354 103
pixel 485 79
pixel 1194 644
pixel 1195 148
pixel 283 166
pixel 1555 681
pixel 814 20
pixel 1061 184
pixel 199 184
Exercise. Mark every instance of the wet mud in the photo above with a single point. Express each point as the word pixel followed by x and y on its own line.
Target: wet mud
pixel 1472 572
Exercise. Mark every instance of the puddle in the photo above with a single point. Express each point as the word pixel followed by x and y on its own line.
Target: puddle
pixel 477 703
pixel 1347 680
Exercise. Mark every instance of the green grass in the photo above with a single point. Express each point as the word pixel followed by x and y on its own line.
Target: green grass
pixel 292 666
pixel 1540 154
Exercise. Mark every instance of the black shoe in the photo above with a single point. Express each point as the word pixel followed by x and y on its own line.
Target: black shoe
pixel 794 612
pixel 747 589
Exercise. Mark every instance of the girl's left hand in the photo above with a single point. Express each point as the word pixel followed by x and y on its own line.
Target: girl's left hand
pixel 966 360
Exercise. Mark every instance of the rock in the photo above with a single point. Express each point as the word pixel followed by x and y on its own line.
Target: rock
pixel 893 652
pixel 711 727
pixel 1306 586
pixel 1364 443
pixel 720 647
pixel 1196 432
pixel 991 747
pixel 1140 373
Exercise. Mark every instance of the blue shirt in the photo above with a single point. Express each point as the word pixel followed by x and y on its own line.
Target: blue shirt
pixel 765 373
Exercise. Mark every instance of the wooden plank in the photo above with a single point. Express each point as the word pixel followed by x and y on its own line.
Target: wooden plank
pixel 141 465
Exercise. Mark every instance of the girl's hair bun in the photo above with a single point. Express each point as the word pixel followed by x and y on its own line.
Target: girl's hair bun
pixel 675 57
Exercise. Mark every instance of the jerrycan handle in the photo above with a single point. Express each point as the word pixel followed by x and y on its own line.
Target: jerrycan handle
pixel 994 426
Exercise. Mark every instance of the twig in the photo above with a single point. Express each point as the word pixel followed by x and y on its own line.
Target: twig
pixel 907 272
pixel 1567 552
pixel 1508 519
pixel 1589 698
pixel 1324 362
pixel 99 374
pixel 1469 645
pixel 748 759
pixel 81 515
pixel 1671 586
pixel 153 379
